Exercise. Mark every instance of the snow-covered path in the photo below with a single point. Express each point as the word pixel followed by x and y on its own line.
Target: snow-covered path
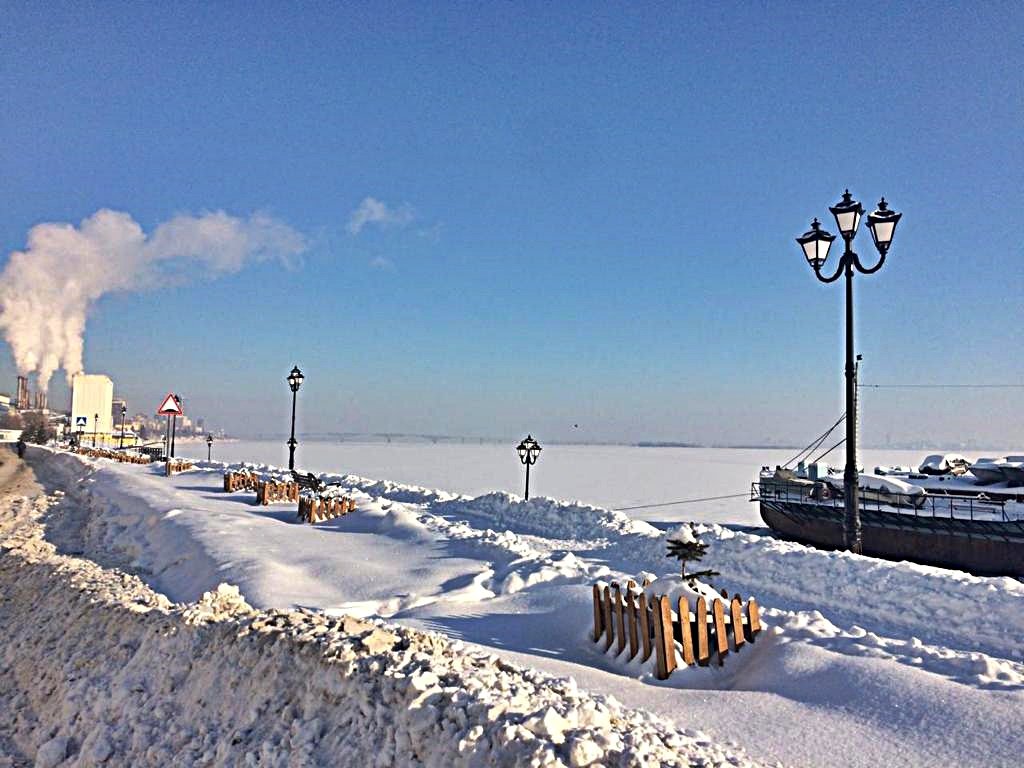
pixel 867 663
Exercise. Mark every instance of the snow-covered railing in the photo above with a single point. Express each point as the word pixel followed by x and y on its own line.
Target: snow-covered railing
pixel 174 466
pixel 102 453
pixel 980 508
pixel 316 509
pixel 269 491
pixel 241 480
pixel 639 625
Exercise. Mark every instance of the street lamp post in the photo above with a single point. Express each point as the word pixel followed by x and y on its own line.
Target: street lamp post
pixel 209 447
pixel 815 244
pixel 529 451
pixel 294 382
pixel 95 427
pixel 124 410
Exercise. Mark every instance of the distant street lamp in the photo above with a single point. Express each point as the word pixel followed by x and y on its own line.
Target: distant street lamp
pixel 95 428
pixel 124 410
pixel 209 447
pixel 815 244
pixel 294 381
pixel 529 451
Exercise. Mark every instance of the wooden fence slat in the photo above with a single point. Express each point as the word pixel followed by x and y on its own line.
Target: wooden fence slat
pixel 753 619
pixel 609 632
pixel 620 624
pixel 684 630
pixel 634 639
pixel 721 638
pixel 645 628
pixel 736 620
pixel 597 613
pixel 664 641
pixel 701 620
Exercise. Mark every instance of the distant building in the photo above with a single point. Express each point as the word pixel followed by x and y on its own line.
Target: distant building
pixel 92 399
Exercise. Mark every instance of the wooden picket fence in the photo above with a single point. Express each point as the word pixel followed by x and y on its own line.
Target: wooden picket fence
pixel 242 480
pixel 313 509
pixel 268 491
pixel 127 458
pixel 643 626
pixel 174 466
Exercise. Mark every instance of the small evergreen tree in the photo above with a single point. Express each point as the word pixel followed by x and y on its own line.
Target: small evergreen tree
pixel 684 546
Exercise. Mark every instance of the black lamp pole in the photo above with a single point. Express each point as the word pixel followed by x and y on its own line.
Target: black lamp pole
pixel 294 382
pixel 529 451
pixel 209 447
pixel 124 410
pixel 815 244
pixel 95 427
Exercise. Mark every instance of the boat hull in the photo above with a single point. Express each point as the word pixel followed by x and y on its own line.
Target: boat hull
pixel 980 547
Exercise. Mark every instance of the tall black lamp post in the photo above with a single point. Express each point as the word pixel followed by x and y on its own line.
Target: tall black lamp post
pixel 95 427
pixel 124 410
pixel 209 447
pixel 294 381
pixel 815 244
pixel 529 450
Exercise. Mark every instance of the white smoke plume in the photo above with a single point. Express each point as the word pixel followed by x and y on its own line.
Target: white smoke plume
pixel 47 290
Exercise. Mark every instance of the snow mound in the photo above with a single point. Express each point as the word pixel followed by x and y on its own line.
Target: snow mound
pixel 96 667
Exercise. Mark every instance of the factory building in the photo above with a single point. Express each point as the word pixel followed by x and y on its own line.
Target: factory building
pixel 92 398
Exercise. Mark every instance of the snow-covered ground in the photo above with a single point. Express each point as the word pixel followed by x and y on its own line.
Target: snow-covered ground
pixel 866 662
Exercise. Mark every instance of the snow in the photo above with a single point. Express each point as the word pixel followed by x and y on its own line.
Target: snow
pixel 97 667
pixel 883 663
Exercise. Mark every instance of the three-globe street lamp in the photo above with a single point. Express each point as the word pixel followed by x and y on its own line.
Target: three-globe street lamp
pixel 124 410
pixel 815 244
pixel 294 381
pixel 209 447
pixel 529 450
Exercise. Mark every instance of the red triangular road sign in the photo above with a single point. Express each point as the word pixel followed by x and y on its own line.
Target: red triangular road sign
pixel 170 407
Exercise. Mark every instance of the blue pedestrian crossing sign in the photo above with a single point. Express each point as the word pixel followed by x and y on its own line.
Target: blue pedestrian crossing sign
pixel 81 421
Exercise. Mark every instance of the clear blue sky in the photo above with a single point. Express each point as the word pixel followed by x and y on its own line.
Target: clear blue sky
pixel 594 208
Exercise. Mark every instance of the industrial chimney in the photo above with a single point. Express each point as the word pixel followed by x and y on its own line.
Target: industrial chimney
pixel 22 399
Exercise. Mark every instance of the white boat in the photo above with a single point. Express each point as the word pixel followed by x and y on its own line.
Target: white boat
pixel 988 471
pixel 944 464
pixel 1013 470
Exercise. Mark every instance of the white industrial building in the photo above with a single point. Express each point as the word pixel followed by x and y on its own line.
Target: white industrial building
pixel 92 397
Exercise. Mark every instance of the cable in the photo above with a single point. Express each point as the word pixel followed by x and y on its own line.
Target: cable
pixel 814 444
pixel 941 386
pixel 682 501
pixel 826 453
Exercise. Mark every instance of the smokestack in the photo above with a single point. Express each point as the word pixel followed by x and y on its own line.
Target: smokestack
pixel 22 399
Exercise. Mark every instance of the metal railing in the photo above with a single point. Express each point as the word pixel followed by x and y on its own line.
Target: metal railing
pixel 978 508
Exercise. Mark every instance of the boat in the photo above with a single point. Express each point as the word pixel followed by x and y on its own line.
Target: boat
pixel 1013 470
pixel 954 519
pixel 944 464
pixel 988 471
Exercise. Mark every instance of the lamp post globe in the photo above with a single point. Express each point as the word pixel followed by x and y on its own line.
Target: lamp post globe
pixel 294 382
pixel 847 213
pixel 529 451
pixel 882 223
pixel 815 244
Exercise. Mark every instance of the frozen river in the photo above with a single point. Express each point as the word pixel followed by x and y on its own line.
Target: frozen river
pixel 611 476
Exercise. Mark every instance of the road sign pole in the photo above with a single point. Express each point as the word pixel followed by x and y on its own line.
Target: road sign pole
pixel 167 439
pixel 174 431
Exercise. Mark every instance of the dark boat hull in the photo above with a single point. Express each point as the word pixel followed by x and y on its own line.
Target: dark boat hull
pixel 979 547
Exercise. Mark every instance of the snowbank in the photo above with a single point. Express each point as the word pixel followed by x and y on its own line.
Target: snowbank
pixel 98 668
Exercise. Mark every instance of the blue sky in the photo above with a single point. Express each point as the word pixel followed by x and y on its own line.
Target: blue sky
pixel 593 209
